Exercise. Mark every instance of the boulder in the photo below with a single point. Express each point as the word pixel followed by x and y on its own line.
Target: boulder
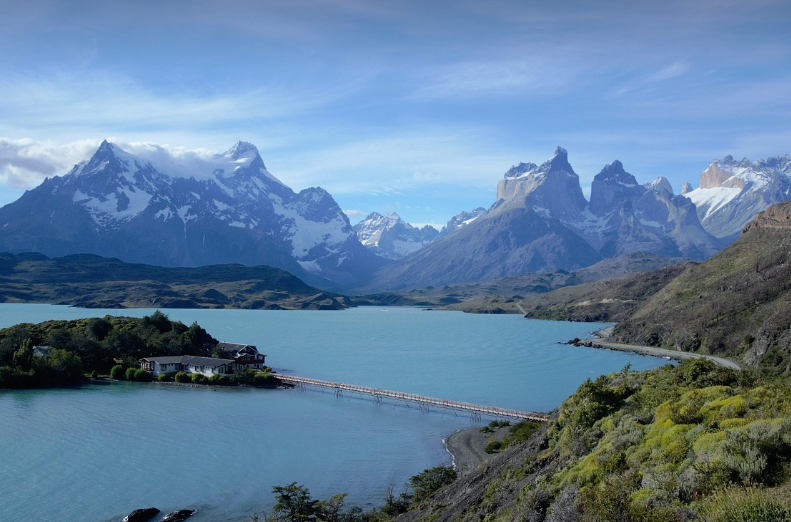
pixel 141 515
pixel 178 516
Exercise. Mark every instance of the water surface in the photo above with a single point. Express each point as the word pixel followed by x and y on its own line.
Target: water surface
pixel 94 453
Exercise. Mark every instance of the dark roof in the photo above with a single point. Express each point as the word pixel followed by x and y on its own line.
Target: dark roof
pixel 42 351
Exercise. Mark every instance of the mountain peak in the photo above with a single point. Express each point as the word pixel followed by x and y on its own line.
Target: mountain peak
pixel 242 149
pixel 560 161
pixel 660 184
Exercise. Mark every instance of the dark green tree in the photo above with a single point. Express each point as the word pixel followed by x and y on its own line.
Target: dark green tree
pixel 23 357
pixel 429 481
pixel 294 503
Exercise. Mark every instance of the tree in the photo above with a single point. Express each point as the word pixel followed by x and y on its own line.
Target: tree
pixel 294 503
pixel 159 321
pixel 429 481
pixel 66 366
pixel 23 357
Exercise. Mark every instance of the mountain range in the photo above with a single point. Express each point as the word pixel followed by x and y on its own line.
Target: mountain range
pixel 184 209
pixel 732 192
pixel 159 208
pixel 541 221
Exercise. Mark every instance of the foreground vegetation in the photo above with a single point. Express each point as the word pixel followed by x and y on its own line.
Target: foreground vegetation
pixel 294 502
pixel 678 443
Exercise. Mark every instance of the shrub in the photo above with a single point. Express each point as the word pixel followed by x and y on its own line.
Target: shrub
pixel 263 379
pixel 164 377
pixel 219 379
pixel 117 372
pixel 183 377
pixel 142 375
pixel 94 374
pixel 199 378
pixel 130 374
pixel 493 446
pixel 749 505
pixel 427 482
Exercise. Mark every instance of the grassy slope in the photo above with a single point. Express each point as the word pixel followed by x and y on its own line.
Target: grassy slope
pixel 737 303
pixel 92 281
pixel 659 445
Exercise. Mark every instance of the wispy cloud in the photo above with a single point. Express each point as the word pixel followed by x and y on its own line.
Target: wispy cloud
pixel 398 163
pixel 662 75
pixel 24 163
pixel 97 100
pixel 517 77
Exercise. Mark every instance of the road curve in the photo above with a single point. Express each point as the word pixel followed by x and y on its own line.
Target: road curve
pixel 602 342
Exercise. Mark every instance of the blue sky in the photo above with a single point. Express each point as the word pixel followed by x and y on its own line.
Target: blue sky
pixel 409 106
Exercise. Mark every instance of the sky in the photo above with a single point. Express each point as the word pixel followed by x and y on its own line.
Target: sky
pixel 409 106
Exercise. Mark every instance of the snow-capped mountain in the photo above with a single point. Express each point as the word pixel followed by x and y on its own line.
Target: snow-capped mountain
pixel 186 209
pixel 460 220
pixel 732 192
pixel 542 221
pixel 391 237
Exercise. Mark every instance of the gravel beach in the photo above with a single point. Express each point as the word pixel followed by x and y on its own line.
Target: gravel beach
pixel 467 448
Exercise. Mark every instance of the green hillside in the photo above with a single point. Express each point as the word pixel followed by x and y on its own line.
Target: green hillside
pixel 736 304
pixel 97 282
pixel 686 442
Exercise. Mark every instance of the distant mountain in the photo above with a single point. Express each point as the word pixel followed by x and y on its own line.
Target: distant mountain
pixel 91 281
pixel 732 192
pixel 391 237
pixel 460 220
pixel 541 221
pixel 158 208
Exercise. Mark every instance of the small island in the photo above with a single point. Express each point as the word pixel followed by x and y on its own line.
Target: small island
pixel 66 353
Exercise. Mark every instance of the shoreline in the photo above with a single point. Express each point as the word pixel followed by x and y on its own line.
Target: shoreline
pixel 467 448
pixel 602 342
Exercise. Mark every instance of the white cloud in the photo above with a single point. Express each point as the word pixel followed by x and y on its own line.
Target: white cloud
pixel 24 163
pixel 104 100
pixel 392 165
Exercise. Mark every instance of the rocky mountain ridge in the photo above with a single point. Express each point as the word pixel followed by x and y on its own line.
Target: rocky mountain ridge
pixel 541 221
pixel 164 209
pixel 391 237
pixel 732 192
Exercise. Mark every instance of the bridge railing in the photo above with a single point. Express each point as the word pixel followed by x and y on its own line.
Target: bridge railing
pixel 422 399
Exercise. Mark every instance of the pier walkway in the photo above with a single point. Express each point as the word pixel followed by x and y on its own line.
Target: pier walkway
pixel 378 394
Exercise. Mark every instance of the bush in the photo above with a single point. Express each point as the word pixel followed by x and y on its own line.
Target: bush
pixel 183 377
pixel 94 374
pixel 142 375
pixel 117 372
pixel 493 446
pixel 130 374
pixel 164 377
pixel 749 505
pixel 219 380
pixel 199 378
pixel 263 379
pixel 429 481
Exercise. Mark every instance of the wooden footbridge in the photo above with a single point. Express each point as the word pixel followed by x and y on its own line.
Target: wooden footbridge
pixel 378 394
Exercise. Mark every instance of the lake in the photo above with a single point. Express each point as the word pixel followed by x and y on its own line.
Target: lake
pixel 97 452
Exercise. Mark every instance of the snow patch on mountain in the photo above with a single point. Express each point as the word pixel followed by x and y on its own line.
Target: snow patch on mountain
pixel 391 237
pixel 712 199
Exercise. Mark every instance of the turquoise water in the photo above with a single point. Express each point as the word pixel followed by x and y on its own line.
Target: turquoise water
pixel 97 452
